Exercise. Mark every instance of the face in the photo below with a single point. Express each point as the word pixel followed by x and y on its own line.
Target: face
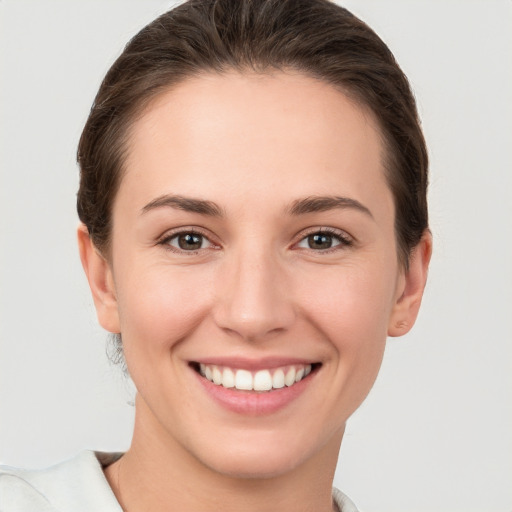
pixel 253 245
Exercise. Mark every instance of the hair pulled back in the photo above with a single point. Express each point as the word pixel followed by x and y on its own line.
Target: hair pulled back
pixel 314 37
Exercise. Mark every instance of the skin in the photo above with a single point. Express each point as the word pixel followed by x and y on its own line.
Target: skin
pixel 254 145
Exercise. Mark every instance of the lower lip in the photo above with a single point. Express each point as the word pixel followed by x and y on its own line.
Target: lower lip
pixel 254 403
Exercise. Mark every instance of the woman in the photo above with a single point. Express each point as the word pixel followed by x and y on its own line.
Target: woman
pixel 253 200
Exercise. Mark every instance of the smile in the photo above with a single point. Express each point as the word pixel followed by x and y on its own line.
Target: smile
pixel 261 380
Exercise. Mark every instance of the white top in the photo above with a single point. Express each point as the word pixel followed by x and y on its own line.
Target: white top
pixel 77 485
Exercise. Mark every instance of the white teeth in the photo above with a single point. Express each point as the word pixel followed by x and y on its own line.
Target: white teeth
pixel 289 378
pixel 243 380
pixel 262 380
pixel 217 375
pixel 228 378
pixel 278 379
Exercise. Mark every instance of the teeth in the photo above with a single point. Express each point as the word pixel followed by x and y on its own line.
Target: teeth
pixel 278 379
pixel 262 380
pixel 289 378
pixel 217 375
pixel 243 380
pixel 228 378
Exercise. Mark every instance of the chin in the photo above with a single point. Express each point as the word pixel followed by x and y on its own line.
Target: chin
pixel 260 464
pixel 270 454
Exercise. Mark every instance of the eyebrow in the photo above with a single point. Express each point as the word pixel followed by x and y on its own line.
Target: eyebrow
pixel 314 204
pixel 302 206
pixel 188 204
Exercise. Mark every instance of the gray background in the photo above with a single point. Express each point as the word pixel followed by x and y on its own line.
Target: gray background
pixel 436 432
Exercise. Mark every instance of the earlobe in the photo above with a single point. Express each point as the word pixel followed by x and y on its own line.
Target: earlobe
pixel 410 293
pixel 101 282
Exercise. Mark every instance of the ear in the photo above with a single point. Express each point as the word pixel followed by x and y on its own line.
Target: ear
pixel 101 281
pixel 410 289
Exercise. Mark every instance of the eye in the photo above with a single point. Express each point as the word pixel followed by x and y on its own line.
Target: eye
pixel 188 241
pixel 324 240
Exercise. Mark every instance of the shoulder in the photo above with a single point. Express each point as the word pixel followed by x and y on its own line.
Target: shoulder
pixel 75 485
pixel 342 501
pixel 18 494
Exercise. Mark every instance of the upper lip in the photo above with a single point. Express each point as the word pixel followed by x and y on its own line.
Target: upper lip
pixel 263 363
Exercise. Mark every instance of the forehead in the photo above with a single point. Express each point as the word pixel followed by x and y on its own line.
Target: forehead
pixel 217 133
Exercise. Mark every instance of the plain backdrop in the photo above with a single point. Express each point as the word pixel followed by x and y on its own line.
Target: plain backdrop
pixel 435 434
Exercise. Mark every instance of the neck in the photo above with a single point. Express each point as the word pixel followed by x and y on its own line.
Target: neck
pixel 157 474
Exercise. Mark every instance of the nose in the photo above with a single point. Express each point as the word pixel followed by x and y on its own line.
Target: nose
pixel 254 298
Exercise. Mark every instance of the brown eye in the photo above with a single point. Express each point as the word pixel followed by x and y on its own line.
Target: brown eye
pixel 189 241
pixel 320 241
pixel 324 240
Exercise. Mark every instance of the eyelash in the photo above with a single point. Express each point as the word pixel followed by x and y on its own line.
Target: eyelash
pixel 344 240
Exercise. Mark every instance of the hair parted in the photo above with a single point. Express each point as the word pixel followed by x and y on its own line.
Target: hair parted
pixel 315 37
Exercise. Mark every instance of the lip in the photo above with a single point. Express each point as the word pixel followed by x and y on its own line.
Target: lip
pixel 254 403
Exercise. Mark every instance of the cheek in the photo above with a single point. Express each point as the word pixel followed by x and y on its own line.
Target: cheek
pixel 353 304
pixel 159 306
pixel 352 314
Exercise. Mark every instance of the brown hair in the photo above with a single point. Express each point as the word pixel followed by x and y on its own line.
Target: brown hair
pixel 314 37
